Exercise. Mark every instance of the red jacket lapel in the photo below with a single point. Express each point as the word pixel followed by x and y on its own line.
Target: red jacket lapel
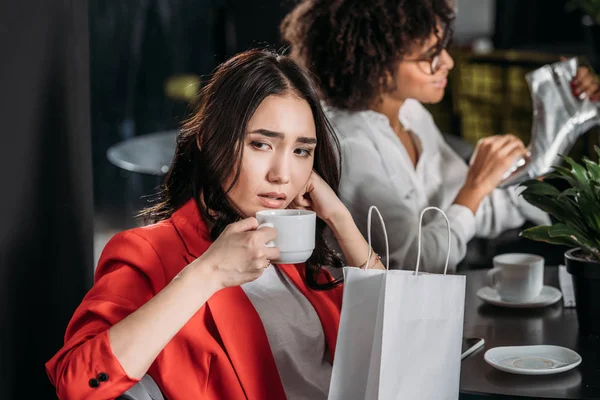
pixel 246 342
pixel 238 323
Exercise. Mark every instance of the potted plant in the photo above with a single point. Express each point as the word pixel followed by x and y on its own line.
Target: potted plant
pixel 576 212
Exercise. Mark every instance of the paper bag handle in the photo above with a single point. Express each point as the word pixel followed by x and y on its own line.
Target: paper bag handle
pixel 420 225
pixel 387 246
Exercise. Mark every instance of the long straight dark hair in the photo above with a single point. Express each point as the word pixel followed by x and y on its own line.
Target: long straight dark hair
pixel 210 145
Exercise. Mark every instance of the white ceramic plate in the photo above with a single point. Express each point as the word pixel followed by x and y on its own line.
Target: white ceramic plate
pixel 548 295
pixel 532 360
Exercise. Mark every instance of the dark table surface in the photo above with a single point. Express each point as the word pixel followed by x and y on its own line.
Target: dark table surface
pixel 552 325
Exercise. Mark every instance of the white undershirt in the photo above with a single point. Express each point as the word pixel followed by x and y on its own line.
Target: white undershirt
pixel 295 335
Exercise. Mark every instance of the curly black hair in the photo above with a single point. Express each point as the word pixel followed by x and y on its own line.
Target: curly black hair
pixel 352 45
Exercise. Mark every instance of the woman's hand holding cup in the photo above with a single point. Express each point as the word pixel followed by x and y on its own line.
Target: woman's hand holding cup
pixel 240 254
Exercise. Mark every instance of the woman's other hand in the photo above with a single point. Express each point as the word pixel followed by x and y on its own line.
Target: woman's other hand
pixel 493 158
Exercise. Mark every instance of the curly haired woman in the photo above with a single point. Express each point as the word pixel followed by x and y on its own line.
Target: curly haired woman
pixel 378 62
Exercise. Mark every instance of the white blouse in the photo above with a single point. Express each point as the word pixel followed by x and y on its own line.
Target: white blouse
pixel 377 170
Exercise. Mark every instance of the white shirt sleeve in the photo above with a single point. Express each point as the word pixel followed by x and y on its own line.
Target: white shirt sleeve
pixel 501 210
pixel 365 182
pixel 506 209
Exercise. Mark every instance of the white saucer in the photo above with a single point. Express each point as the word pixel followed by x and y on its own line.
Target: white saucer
pixel 549 295
pixel 532 360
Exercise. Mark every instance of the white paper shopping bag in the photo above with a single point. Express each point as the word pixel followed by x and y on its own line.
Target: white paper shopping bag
pixel 400 333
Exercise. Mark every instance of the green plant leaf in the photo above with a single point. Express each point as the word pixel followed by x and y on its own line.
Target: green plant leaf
pixel 578 171
pixel 569 192
pixel 561 172
pixel 593 169
pixel 577 208
pixel 541 234
pixel 564 230
pixel 591 214
pixel 583 239
pixel 561 209
pixel 575 217
pixel 538 188
pixel 559 234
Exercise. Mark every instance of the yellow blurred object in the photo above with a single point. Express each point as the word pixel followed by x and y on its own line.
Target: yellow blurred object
pixel 183 87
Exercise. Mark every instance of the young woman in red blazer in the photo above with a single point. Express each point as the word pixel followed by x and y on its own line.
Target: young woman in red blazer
pixel 167 299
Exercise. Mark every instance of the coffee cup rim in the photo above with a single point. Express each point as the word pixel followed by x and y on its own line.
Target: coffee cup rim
pixel 285 213
pixel 510 259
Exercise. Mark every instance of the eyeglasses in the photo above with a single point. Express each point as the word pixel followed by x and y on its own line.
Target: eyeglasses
pixel 432 64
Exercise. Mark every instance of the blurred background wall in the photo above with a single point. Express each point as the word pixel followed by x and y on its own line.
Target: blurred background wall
pixel 474 20
pixel 46 212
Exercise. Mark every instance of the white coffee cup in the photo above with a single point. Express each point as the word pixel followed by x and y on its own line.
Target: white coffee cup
pixel 295 233
pixel 517 277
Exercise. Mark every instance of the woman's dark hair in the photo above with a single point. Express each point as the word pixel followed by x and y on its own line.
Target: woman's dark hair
pixel 210 145
pixel 352 45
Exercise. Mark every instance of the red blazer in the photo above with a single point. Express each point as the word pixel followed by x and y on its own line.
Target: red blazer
pixel 221 353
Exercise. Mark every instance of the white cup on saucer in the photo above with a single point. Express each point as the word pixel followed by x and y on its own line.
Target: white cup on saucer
pixel 295 233
pixel 517 277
